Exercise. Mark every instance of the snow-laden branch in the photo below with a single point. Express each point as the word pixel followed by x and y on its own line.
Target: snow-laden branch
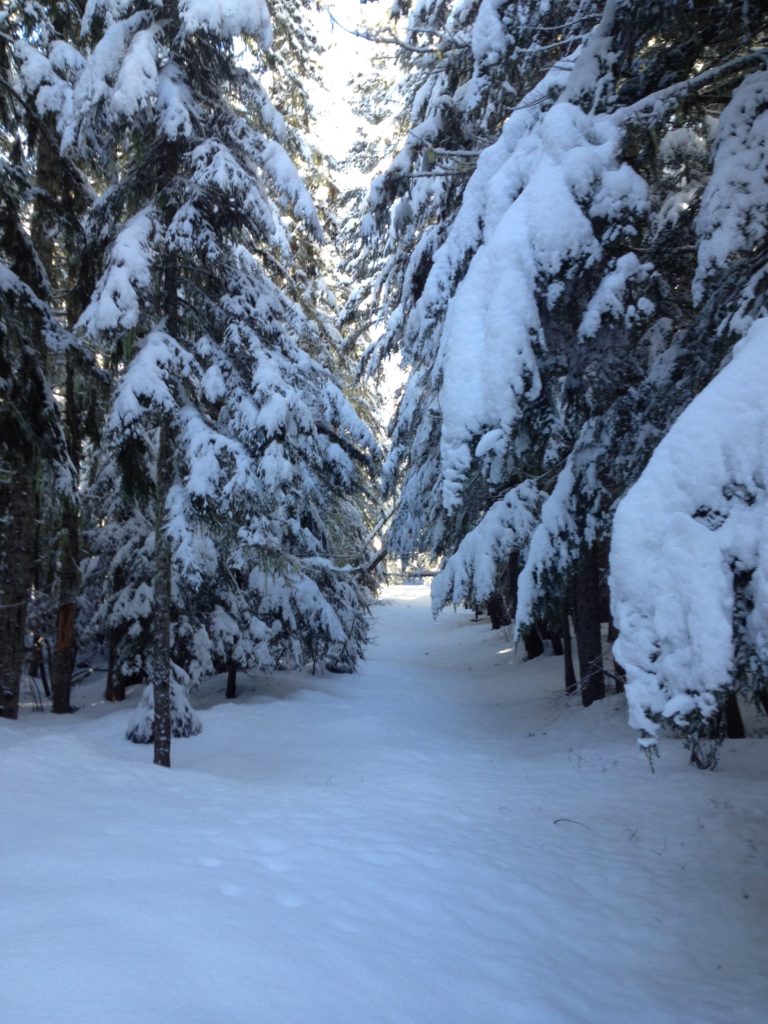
pixel 657 100
pixel 389 38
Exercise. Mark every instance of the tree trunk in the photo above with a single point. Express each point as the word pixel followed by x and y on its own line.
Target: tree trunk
pixel 69 567
pixel 160 627
pixel 589 643
pixel 117 681
pixel 497 611
pixel 17 499
pixel 532 643
pixel 109 691
pixel 13 615
pixel 63 659
pixel 231 681
pixel 160 635
pixel 734 723
pixel 571 683
pixel 43 228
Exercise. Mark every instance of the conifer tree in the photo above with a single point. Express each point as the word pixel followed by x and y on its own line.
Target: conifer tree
pixel 549 281
pixel 229 450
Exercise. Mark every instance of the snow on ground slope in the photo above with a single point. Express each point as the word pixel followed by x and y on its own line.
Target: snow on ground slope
pixel 441 839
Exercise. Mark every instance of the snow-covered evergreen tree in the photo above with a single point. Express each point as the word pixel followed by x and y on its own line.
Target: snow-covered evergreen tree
pixel 543 283
pixel 230 456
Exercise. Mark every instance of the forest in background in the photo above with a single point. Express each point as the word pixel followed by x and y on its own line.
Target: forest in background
pixel 565 245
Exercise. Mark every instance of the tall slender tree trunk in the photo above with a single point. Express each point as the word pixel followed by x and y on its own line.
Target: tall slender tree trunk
pixel 17 519
pixel 161 622
pixel 63 663
pixel 587 624
pixel 110 689
pixel 65 651
pixel 160 636
pixel 52 189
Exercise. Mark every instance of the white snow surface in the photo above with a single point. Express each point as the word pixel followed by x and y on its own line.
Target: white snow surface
pixel 442 838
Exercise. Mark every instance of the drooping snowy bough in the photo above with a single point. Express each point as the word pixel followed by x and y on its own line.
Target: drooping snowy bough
pixel 689 558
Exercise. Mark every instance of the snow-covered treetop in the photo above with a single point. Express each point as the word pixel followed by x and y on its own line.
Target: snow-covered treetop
pixel 205 307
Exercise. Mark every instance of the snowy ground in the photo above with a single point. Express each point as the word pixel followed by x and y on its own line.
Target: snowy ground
pixel 440 839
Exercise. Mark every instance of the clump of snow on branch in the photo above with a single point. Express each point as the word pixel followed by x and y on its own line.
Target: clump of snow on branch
pixel 116 301
pixel 227 18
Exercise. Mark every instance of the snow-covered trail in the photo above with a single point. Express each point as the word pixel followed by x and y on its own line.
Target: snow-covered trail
pixel 440 839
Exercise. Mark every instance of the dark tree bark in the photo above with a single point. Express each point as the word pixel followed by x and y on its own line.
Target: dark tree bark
pixel 231 681
pixel 18 502
pixel 734 723
pixel 534 647
pixel 109 692
pixel 117 681
pixel 12 618
pixel 59 200
pixel 497 611
pixel 587 624
pixel 160 636
pixel 65 651
pixel 571 682
pixel 160 627
pixel 63 659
